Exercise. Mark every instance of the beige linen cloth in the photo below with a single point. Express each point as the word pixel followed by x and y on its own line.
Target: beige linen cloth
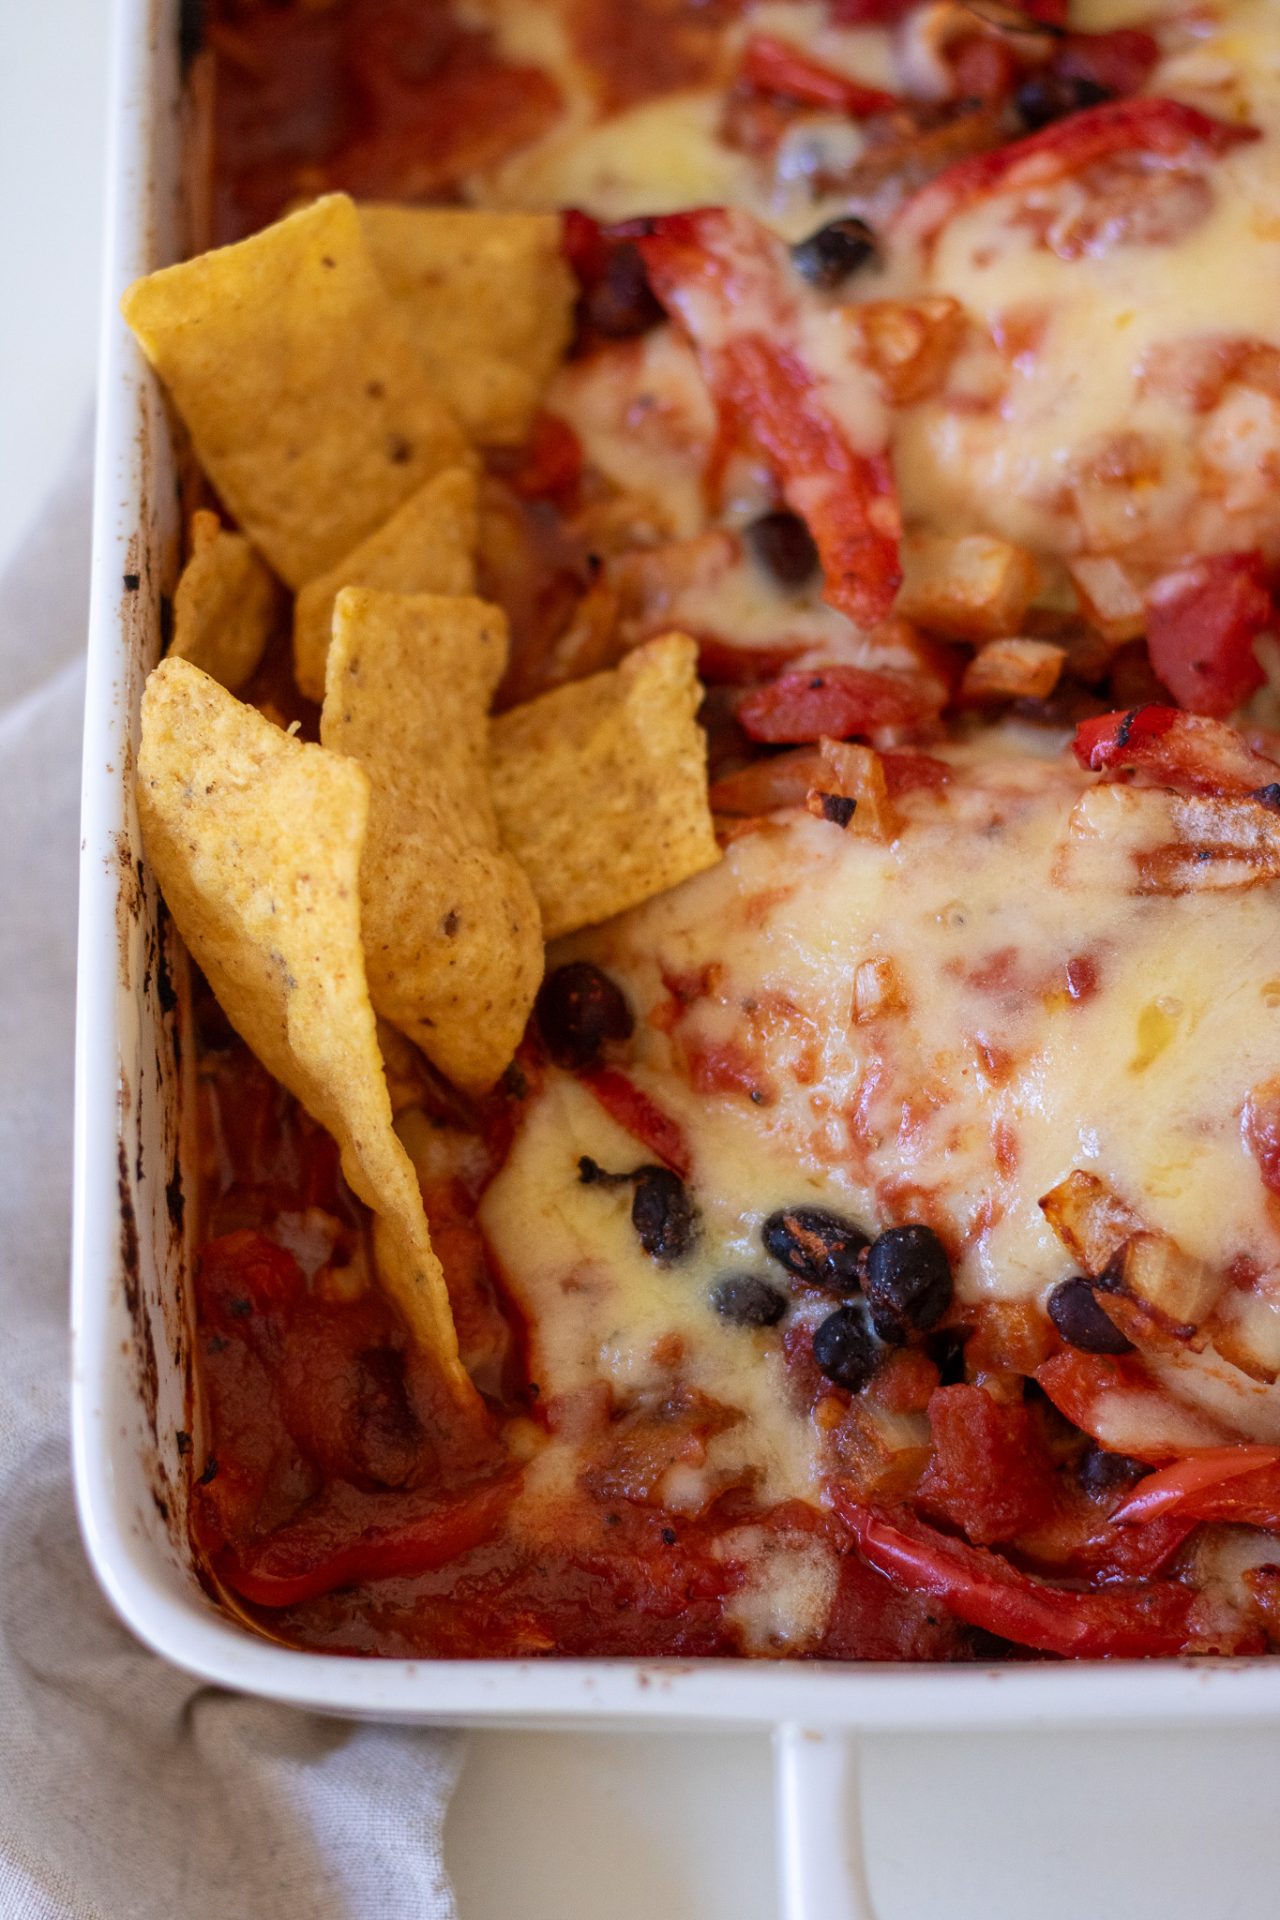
pixel 128 1791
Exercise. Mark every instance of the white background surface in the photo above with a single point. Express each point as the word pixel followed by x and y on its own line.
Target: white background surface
pixel 595 1827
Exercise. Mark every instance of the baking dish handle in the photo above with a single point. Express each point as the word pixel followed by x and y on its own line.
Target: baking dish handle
pixel 821 1859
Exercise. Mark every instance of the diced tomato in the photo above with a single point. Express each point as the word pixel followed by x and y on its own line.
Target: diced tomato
pixel 775 66
pixel 1215 1483
pixel 244 1272
pixel 990 1473
pixel 640 1116
pixel 1167 129
pixel 726 280
pixel 1180 749
pixel 1121 61
pixel 836 701
pixel 344 1537
pixel 981 1588
pixel 1202 621
pixel 551 465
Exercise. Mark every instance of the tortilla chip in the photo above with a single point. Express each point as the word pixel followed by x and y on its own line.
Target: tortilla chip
pixel 427 546
pixel 601 786
pixel 256 841
pixel 488 299
pixel 452 936
pixel 308 406
pixel 224 605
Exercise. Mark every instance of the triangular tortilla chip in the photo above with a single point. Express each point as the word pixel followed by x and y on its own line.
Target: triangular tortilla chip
pixel 255 840
pixel 309 407
pixel 452 936
pixel 427 546
pixel 488 299
pixel 601 786
pixel 224 605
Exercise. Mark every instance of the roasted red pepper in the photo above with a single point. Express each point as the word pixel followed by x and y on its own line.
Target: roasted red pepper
pixel 1113 1623
pixel 1202 621
pixel 725 279
pixel 774 66
pixel 344 1537
pixel 1183 750
pixel 1166 129
pixel 1218 1483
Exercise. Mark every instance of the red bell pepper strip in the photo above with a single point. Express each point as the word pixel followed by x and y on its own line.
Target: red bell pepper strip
pixel 836 701
pixel 1193 1485
pixel 640 1116
pixel 724 278
pixel 774 66
pixel 345 1537
pixel 1202 621
pixel 1167 129
pixel 1113 1623
pixel 1184 750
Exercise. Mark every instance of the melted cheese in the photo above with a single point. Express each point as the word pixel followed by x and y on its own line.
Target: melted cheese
pixel 1062 403
pixel 654 158
pixel 979 1086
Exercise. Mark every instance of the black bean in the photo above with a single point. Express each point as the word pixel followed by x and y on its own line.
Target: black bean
pixel 1268 796
pixel 816 1246
pixel 844 1349
pixel 662 1214
pixel 1102 1472
pixel 745 1300
pixel 578 1008
pixel 907 1282
pixel 1074 1311
pixel 1047 95
pixel 835 251
pixel 622 303
pixel 783 545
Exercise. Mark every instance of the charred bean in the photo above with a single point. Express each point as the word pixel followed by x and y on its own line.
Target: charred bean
pixel 907 1282
pixel 578 1009
pixel 815 1245
pixel 844 1349
pixel 1074 1311
pixel 829 256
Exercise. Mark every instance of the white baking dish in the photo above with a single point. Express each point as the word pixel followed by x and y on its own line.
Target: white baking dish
pixel 131 1385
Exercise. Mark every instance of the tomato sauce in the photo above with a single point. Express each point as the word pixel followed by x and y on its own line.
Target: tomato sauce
pixel 387 99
